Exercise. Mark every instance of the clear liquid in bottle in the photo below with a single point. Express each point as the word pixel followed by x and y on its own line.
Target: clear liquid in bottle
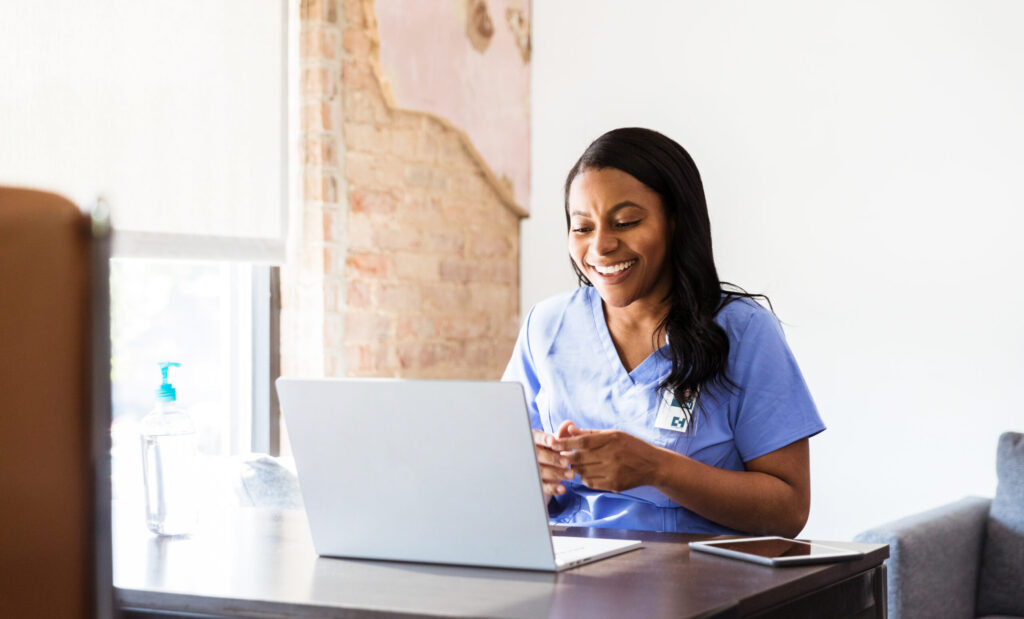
pixel 169 469
pixel 169 464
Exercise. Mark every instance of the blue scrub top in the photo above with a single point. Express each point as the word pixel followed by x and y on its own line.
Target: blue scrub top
pixel 569 368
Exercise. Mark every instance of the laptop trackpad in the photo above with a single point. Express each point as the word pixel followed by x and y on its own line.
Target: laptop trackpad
pixel 572 551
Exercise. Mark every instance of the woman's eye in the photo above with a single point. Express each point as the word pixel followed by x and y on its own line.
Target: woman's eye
pixel 627 224
pixel 581 230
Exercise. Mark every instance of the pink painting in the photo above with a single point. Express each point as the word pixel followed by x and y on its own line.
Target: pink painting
pixel 467 62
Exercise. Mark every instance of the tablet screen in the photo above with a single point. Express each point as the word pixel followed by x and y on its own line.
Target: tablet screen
pixel 775 547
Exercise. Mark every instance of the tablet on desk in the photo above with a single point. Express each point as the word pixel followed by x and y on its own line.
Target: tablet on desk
pixel 777 551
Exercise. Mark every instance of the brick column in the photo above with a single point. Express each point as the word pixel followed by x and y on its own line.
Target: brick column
pixel 310 302
pixel 411 254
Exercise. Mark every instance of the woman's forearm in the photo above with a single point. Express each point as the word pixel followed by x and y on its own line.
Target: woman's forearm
pixel 750 501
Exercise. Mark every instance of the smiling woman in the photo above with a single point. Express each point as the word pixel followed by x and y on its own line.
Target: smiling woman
pixel 661 398
pixel 618 236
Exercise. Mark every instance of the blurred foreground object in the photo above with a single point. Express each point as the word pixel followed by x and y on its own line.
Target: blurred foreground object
pixel 55 418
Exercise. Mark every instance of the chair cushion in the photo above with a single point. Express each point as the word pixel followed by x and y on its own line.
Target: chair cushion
pixel 1001 582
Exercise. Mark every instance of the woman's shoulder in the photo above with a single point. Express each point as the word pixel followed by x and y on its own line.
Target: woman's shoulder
pixel 738 314
pixel 545 319
pixel 553 308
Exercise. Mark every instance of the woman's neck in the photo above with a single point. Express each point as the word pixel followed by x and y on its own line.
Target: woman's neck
pixel 635 317
pixel 635 330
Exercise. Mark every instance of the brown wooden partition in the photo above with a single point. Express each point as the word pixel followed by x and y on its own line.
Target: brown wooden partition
pixel 54 410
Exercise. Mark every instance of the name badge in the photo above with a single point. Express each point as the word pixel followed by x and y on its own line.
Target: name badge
pixel 674 413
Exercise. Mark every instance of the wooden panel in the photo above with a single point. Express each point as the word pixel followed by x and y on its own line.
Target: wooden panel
pixel 852 597
pixel 46 505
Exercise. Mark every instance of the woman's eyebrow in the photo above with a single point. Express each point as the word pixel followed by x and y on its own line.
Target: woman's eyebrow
pixel 624 204
pixel 617 207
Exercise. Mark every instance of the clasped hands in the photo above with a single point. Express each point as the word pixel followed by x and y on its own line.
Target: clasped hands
pixel 604 459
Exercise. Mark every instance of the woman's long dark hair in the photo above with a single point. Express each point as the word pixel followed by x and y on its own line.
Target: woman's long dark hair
pixel 698 346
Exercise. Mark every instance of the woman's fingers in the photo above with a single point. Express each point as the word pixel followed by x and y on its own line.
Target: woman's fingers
pixel 559 461
pixel 565 430
pixel 551 457
pixel 587 440
pixel 550 489
pixel 552 478
pixel 543 439
pixel 572 430
pixel 554 467
pixel 555 473
pixel 569 429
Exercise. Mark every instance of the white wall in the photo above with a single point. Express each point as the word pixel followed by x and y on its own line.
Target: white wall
pixel 863 164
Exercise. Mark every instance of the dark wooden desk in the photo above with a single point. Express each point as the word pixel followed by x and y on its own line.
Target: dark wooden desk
pixel 261 563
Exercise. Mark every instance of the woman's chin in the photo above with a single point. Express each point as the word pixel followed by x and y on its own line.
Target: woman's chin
pixel 614 298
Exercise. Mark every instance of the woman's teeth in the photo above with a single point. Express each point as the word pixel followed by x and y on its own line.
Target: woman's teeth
pixel 615 268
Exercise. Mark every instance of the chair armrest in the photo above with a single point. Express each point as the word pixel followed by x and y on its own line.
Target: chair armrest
pixel 933 559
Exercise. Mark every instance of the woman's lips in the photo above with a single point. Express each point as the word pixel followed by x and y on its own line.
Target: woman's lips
pixel 613 272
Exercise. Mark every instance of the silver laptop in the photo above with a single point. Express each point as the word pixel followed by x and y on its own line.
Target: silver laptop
pixel 425 471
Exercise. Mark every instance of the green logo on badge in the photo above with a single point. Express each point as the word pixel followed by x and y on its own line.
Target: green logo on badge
pixel 676 414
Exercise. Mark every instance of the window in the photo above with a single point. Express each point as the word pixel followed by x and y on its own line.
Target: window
pixel 214 319
pixel 183 127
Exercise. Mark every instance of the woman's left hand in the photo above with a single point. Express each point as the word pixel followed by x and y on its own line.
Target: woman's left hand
pixel 610 459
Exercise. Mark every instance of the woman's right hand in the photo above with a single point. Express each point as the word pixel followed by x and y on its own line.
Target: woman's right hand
pixel 554 467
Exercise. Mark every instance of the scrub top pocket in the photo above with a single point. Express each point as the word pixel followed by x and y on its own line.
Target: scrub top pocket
pixel 644 424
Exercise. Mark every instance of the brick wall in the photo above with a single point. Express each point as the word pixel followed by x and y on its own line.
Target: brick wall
pixel 410 255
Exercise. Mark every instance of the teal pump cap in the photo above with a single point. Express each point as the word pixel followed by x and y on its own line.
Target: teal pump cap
pixel 166 392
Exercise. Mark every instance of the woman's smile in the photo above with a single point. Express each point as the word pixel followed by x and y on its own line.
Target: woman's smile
pixel 612 270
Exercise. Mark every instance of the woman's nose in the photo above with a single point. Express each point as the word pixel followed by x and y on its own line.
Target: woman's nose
pixel 605 241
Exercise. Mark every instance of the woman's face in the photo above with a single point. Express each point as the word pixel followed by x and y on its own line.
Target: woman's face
pixel 618 233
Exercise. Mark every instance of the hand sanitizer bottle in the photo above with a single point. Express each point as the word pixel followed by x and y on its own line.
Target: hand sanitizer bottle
pixel 169 459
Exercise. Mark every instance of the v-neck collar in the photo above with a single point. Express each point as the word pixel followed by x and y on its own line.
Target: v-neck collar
pixel 645 373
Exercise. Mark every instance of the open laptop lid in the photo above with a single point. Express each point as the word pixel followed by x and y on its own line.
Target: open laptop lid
pixel 429 471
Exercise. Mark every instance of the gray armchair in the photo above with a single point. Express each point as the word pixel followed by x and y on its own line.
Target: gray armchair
pixel 965 559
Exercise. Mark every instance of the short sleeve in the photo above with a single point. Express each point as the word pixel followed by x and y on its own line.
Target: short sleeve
pixel 522 369
pixel 773 407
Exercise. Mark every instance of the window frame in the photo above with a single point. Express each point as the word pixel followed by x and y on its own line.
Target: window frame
pixel 265 423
